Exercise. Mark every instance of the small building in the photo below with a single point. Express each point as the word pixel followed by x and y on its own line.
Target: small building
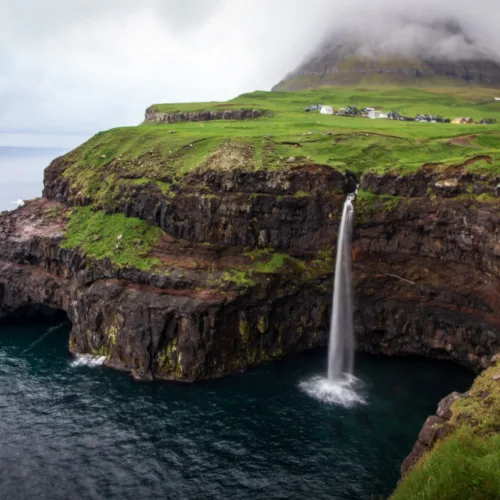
pixel 374 115
pixel 312 107
pixel 463 121
pixel 326 110
pixel 488 121
pixel 497 98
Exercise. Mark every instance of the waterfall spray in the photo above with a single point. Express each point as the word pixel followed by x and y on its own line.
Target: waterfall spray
pixel 341 343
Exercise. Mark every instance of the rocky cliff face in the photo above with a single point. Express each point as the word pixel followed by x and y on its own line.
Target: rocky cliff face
pixel 428 278
pixel 154 116
pixel 192 322
pixel 247 269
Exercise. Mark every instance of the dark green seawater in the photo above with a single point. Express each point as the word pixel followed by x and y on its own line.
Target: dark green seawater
pixel 71 432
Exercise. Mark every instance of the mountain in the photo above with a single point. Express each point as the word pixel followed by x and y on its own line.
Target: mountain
pixel 404 53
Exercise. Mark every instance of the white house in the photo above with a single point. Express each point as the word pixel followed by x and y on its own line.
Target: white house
pixel 497 98
pixel 377 114
pixel 326 110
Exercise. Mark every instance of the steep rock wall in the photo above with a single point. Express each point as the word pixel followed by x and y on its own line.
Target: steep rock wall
pixel 426 271
pixel 153 116
pixel 294 209
pixel 155 326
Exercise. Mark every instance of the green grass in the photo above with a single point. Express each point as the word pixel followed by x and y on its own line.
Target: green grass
pixel 115 166
pixel 368 203
pixel 489 141
pixel 151 153
pixel 127 242
pixel 465 465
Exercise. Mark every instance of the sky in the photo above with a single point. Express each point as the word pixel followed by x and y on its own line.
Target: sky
pixel 80 66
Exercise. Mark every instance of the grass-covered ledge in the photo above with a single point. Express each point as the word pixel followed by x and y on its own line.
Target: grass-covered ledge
pixel 465 465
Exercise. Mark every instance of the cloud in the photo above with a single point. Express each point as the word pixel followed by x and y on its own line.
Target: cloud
pixel 454 30
pixel 85 65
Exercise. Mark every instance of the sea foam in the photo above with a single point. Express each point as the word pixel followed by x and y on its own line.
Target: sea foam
pixel 88 360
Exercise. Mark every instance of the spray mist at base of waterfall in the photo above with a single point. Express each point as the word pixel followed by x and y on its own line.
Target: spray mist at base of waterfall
pixel 346 391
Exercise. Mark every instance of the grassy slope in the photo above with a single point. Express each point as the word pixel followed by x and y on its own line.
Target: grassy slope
pixel 467 464
pixel 127 242
pixel 151 153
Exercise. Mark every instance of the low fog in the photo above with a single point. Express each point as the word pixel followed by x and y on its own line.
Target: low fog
pixel 447 30
pixel 87 65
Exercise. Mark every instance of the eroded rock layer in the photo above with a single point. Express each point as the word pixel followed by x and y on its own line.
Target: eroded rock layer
pixel 426 269
pixel 154 116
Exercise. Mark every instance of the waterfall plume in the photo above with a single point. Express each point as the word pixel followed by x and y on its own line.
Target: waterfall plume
pixel 340 387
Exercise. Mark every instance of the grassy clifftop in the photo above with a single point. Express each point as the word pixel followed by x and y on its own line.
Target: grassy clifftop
pixel 165 153
pixel 159 157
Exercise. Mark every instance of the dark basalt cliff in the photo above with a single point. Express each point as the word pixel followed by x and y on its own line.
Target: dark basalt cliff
pixel 427 269
pixel 155 116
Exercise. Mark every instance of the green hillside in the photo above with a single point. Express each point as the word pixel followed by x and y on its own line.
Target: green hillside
pixel 164 153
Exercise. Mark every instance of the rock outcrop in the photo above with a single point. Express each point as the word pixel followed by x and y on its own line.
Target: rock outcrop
pixel 474 414
pixel 427 278
pixel 154 116
pixel 435 428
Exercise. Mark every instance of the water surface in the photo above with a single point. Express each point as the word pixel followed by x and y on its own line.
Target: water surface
pixel 21 173
pixel 94 433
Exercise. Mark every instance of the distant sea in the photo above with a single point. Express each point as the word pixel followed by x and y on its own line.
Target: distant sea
pixel 21 173
pixel 23 158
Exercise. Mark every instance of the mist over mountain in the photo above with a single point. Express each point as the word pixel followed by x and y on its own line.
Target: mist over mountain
pixel 398 50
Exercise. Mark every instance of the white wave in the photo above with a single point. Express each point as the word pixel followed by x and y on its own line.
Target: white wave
pixel 346 391
pixel 18 202
pixel 88 360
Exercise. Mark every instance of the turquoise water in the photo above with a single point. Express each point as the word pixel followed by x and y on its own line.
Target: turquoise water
pixel 94 433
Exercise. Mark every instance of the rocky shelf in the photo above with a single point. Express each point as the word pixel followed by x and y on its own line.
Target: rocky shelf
pixel 154 116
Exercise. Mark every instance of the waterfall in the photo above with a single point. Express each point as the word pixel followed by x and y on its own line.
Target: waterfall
pixel 341 387
pixel 341 343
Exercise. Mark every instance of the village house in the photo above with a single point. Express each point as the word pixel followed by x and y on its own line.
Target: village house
pixel 463 121
pixel 326 110
pixel 373 114
pixel 313 107
pixel 488 121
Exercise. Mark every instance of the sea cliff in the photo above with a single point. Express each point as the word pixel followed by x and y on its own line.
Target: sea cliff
pixel 203 250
